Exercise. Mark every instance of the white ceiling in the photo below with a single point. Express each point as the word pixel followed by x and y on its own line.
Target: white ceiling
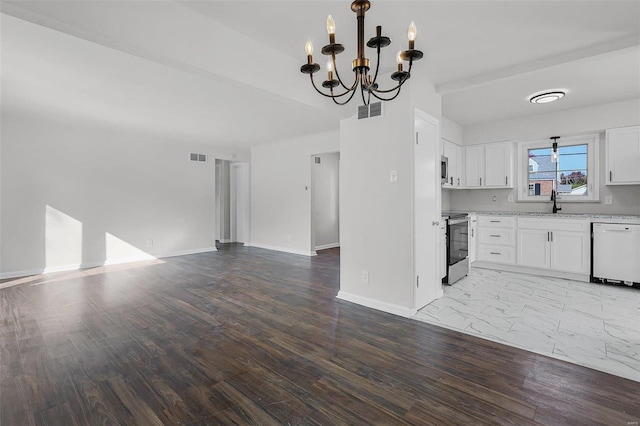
pixel 227 72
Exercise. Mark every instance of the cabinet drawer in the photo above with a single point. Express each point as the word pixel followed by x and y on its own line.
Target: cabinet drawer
pixel 497 221
pixel 497 236
pixel 496 254
pixel 548 224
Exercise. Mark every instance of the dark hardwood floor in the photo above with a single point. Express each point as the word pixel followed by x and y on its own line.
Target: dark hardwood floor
pixel 251 336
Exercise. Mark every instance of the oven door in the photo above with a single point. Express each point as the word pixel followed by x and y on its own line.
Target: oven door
pixel 458 238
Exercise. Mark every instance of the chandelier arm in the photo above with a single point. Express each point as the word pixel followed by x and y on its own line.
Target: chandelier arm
pixel 353 92
pixel 335 69
pixel 375 75
pixel 322 93
pixel 387 99
pixel 399 84
pixel 364 101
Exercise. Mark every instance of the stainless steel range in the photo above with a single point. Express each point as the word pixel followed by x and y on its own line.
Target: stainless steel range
pixel 457 246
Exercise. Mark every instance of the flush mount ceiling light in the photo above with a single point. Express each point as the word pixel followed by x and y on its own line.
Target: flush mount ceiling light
pixel 360 65
pixel 546 97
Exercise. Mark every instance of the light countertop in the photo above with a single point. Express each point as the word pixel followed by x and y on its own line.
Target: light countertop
pixel 593 217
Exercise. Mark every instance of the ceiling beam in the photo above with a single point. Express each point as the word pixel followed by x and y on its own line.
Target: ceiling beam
pixel 480 80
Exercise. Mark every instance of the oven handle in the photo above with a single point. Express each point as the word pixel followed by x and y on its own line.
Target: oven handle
pixel 457 221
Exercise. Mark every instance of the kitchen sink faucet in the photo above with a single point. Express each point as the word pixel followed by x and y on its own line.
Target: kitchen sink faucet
pixel 553 198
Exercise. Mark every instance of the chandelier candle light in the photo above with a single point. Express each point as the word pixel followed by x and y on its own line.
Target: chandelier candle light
pixel 360 66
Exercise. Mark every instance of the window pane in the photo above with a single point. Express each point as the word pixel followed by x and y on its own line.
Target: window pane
pixel 542 172
pixel 568 176
pixel 572 157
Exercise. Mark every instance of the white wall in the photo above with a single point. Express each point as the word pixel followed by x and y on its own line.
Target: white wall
pixel 74 196
pixel 239 188
pixel 325 189
pixel 451 131
pixel 281 191
pixel 376 216
pixel 565 123
pixel 570 122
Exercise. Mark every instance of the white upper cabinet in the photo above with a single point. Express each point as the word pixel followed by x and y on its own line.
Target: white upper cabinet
pixel 474 162
pixel 453 152
pixel 489 165
pixel 623 156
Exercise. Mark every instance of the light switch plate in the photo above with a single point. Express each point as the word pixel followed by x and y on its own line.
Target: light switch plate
pixel 608 199
pixel 393 176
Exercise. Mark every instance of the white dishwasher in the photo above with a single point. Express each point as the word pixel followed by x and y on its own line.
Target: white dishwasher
pixel 616 252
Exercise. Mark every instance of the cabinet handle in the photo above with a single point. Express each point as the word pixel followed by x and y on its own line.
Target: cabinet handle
pixel 458 181
pixel 610 175
pixel 451 180
pixel 494 235
pixel 472 232
pixel 506 180
pixel 494 221
pixel 551 235
pixel 548 235
pixel 480 181
pixel 493 252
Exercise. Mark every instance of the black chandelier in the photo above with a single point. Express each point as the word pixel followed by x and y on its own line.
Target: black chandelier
pixel 360 65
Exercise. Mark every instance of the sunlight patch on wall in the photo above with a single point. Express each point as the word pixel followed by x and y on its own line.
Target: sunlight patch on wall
pixel 63 241
pixel 119 251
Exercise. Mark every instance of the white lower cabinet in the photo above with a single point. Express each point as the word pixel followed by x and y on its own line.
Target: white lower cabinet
pixel 443 248
pixel 553 246
pixel 473 237
pixel 558 244
pixel 533 248
pixel 496 239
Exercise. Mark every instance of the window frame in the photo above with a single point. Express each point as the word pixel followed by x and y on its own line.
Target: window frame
pixel 593 168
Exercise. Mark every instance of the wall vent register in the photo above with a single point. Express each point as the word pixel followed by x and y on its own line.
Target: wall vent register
pixel 201 158
pixel 372 110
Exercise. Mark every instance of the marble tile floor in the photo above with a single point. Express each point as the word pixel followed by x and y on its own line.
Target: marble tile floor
pixel 594 325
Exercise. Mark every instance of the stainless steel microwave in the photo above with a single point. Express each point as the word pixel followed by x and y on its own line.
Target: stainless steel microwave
pixel 444 168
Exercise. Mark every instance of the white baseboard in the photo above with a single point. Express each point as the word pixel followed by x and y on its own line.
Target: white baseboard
pixel 225 241
pixel 284 249
pixel 95 264
pixel 377 304
pixel 327 246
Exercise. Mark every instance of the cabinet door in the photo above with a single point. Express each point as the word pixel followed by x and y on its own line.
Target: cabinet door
pixel 448 150
pixel 570 251
pixel 474 161
pixel 533 248
pixel 443 249
pixel 473 220
pixel 623 156
pixel 459 182
pixel 498 165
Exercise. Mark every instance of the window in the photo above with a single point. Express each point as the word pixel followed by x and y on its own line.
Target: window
pixel 573 176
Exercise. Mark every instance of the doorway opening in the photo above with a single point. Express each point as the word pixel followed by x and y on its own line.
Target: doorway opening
pixel 232 202
pixel 325 207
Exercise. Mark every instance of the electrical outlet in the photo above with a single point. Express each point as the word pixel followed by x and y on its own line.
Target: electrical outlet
pixel 393 176
pixel 365 276
pixel 510 198
pixel 608 199
pixel 149 243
